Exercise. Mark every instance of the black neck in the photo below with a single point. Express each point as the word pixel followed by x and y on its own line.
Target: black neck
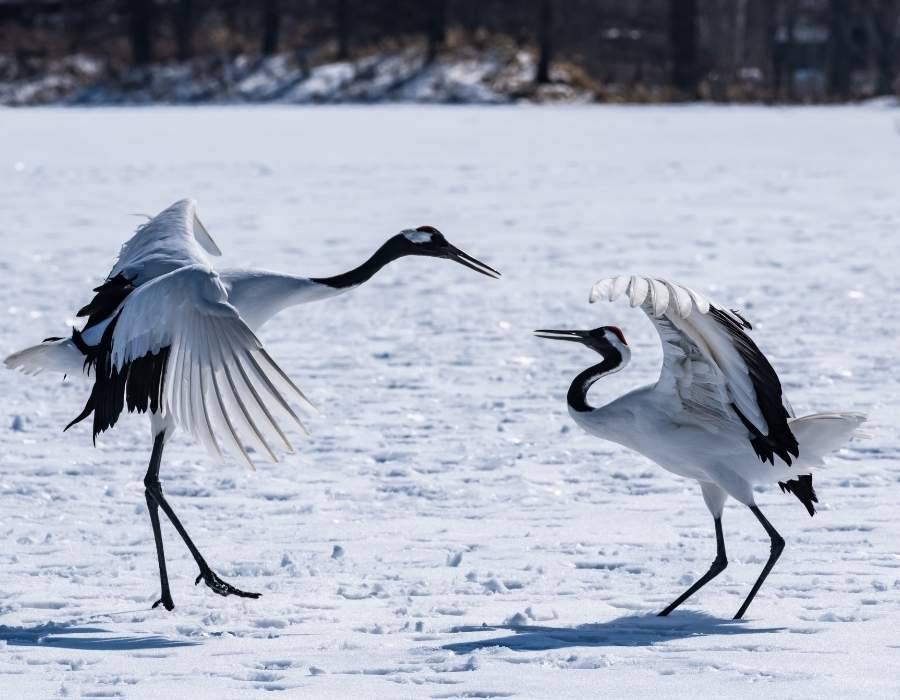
pixel 388 252
pixel 577 396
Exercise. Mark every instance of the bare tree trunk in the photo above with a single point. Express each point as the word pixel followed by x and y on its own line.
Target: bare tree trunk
pixel 886 79
pixel 789 50
pixel 740 34
pixel 271 26
pixel 342 28
pixel 73 23
pixel 545 42
pixel 683 46
pixel 883 16
pixel 184 29
pixel 437 27
pixel 140 28
pixel 839 15
pixel 774 54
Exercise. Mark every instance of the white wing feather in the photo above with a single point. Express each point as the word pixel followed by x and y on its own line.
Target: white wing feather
pixel 659 297
pixel 172 239
pixel 220 384
pixel 701 365
pixel 637 291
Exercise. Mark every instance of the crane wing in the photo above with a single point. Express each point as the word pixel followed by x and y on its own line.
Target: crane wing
pixel 172 239
pixel 178 348
pixel 711 368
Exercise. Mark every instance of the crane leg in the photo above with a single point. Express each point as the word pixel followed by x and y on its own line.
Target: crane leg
pixel 716 568
pixel 156 499
pixel 166 597
pixel 775 550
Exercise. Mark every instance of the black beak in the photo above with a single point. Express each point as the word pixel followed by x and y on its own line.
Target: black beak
pixel 576 336
pixel 456 254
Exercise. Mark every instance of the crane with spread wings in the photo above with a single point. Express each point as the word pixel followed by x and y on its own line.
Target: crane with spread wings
pixel 717 414
pixel 166 334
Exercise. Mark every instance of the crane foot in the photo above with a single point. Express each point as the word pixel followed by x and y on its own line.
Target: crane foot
pixel 223 588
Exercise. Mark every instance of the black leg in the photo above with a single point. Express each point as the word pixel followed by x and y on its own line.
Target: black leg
pixel 776 548
pixel 152 474
pixel 154 493
pixel 716 568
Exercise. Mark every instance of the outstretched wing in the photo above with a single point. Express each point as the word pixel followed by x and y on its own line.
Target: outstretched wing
pixel 172 239
pixel 177 347
pixel 715 373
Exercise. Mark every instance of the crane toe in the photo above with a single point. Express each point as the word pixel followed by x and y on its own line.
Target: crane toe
pixel 166 601
pixel 223 588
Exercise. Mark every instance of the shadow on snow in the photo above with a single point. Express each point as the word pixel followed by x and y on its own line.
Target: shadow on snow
pixel 629 631
pixel 65 636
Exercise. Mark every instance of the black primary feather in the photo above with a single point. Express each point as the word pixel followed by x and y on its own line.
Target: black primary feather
pixel 767 387
pixel 138 384
pixel 802 488
pixel 747 324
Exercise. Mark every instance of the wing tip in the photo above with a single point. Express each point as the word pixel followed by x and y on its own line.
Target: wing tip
pixel 204 237
pixel 200 231
pixel 609 288
pixel 309 406
pixel 197 229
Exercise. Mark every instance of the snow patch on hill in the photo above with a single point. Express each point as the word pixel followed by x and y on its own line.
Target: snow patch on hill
pixel 486 77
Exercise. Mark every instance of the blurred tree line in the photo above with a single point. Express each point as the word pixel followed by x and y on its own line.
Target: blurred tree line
pixel 771 50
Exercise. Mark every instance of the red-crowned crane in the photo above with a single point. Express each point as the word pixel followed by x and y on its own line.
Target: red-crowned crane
pixel 168 335
pixel 716 414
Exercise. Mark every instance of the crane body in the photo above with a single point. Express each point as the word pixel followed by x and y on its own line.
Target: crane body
pixel 717 413
pixel 167 335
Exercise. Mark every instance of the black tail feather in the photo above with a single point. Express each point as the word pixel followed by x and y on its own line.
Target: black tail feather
pixel 109 296
pixel 138 383
pixel 802 488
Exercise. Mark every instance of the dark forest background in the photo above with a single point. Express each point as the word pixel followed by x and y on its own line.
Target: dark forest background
pixel 724 50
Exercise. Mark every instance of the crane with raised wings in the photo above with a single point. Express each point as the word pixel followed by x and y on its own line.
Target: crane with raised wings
pixel 165 334
pixel 717 414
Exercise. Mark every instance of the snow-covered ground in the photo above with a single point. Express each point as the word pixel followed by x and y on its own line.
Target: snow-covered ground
pixel 447 531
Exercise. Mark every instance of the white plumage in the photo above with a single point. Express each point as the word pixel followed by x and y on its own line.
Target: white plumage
pixel 220 384
pixel 703 370
pixel 172 239
pixel 167 335
pixel 717 414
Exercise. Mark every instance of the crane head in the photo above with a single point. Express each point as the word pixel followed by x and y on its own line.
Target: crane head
pixel 598 339
pixel 428 241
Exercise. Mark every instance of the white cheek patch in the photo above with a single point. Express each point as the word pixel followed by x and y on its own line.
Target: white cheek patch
pixel 418 236
pixel 617 344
